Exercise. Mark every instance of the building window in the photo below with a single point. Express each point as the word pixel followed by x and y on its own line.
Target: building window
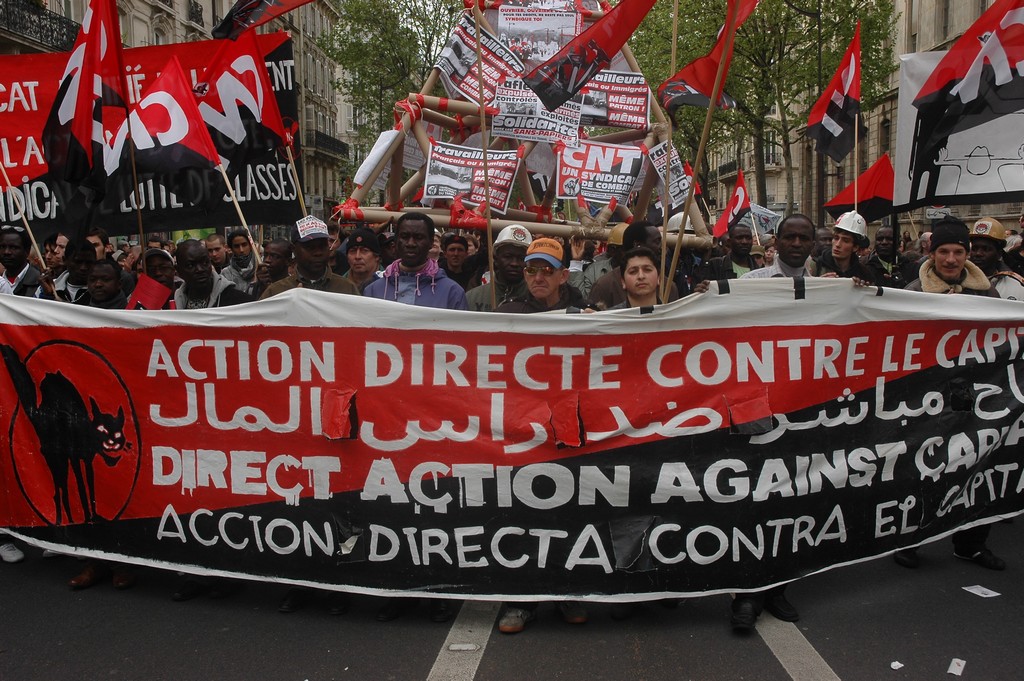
pixel 884 139
pixel 945 13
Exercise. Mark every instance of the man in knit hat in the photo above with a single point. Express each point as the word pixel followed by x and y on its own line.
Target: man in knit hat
pixel 947 270
pixel 414 278
pixel 988 238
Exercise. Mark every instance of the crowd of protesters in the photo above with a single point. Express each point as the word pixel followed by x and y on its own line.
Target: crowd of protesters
pixel 410 262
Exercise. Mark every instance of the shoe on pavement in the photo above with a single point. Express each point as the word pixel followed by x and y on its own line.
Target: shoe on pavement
pixel 394 608
pixel 123 580
pixel 442 610
pixel 985 559
pixel 89 576
pixel 908 558
pixel 50 553
pixel 781 608
pixel 10 553
pixel 515 620
pixel 573 612
pixel 338 604
pixel 294 600
pixel 744 615
pixel 188 590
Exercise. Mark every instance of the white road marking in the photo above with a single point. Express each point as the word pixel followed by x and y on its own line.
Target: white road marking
pixel 797 656
pixel 464 648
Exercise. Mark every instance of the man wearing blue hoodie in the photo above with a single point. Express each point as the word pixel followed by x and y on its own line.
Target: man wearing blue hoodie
pixel 415 279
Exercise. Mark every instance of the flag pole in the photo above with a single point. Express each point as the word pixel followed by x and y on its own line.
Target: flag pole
pixel 666 201
pixel 295 178
pixel 138 199
pixel 238 209
pixel 716 93
pixel 24 217
pixel 477 16
pixel 856 159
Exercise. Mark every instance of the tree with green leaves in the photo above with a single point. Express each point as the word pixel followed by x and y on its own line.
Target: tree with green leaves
pixel 386 50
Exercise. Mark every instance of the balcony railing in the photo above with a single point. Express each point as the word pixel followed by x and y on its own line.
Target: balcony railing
pixel 195 12
pixel 26 19
pixel 728 168
pixel 321 141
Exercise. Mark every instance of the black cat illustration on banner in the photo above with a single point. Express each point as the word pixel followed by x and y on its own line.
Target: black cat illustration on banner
pixel 89 450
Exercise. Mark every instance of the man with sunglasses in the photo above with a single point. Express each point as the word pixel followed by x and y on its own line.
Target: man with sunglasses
pixel 546 280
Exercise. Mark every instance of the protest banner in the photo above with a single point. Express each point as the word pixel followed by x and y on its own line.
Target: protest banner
pixel 454 171
pixel 458 68
pixel 979 164
pixel 598 172
pixel 617 99
pixel 534 34
pixel 262 179
pixel 679 179
pixel 523 117
pixel 726 442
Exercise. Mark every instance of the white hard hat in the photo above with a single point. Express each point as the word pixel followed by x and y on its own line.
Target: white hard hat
pixel 675 222
pixel 854 223
pixel 513 235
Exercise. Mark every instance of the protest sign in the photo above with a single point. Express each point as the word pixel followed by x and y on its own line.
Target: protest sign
pixel 262 178
pixel 725 442
pixel 598 172
pixel 617 99
pixel 454 170
pixel 523 117
pixel 458 67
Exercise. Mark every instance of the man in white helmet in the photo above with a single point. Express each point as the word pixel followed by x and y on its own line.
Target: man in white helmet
pixel 848 236
pixel 509 251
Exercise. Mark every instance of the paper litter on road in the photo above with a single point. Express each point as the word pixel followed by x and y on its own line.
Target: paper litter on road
pixel 979 590
pixel 896 665
pixel 956 667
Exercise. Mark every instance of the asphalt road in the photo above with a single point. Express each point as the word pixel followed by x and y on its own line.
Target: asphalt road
pixel 856 622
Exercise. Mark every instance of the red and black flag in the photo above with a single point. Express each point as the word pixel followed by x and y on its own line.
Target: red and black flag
pixel 978 81
pixel 246 14
pixel 169 136
pixel 90 101
pixel 558 79
pixel 694 83
pixel 833 120
pixel 689 173
pixel 738 206
pixel 237 101
pixel 870 195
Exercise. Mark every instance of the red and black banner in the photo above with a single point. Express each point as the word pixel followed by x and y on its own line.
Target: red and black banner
pixel 246 14
pixel 557 80
pixel 738 206
pixel 963 144
pixel 694 84
pixel 834 119
pixel 261 176
pixel 870 195
pixel 731 441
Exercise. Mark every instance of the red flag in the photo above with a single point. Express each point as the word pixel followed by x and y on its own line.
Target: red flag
pixel 168 133
pixel 978 81
pixel 90 100
pixel 558 79
pixel 689 173
pixel 739 205
pixel 874 190
pixel 693 84
pixel 246 14
pixel 834 115
pixel 233 93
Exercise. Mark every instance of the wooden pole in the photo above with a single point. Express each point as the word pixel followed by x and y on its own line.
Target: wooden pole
pixel 238 209
pixel 295 178
pixel 24 217
pixel 716 92
pixel 477 18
